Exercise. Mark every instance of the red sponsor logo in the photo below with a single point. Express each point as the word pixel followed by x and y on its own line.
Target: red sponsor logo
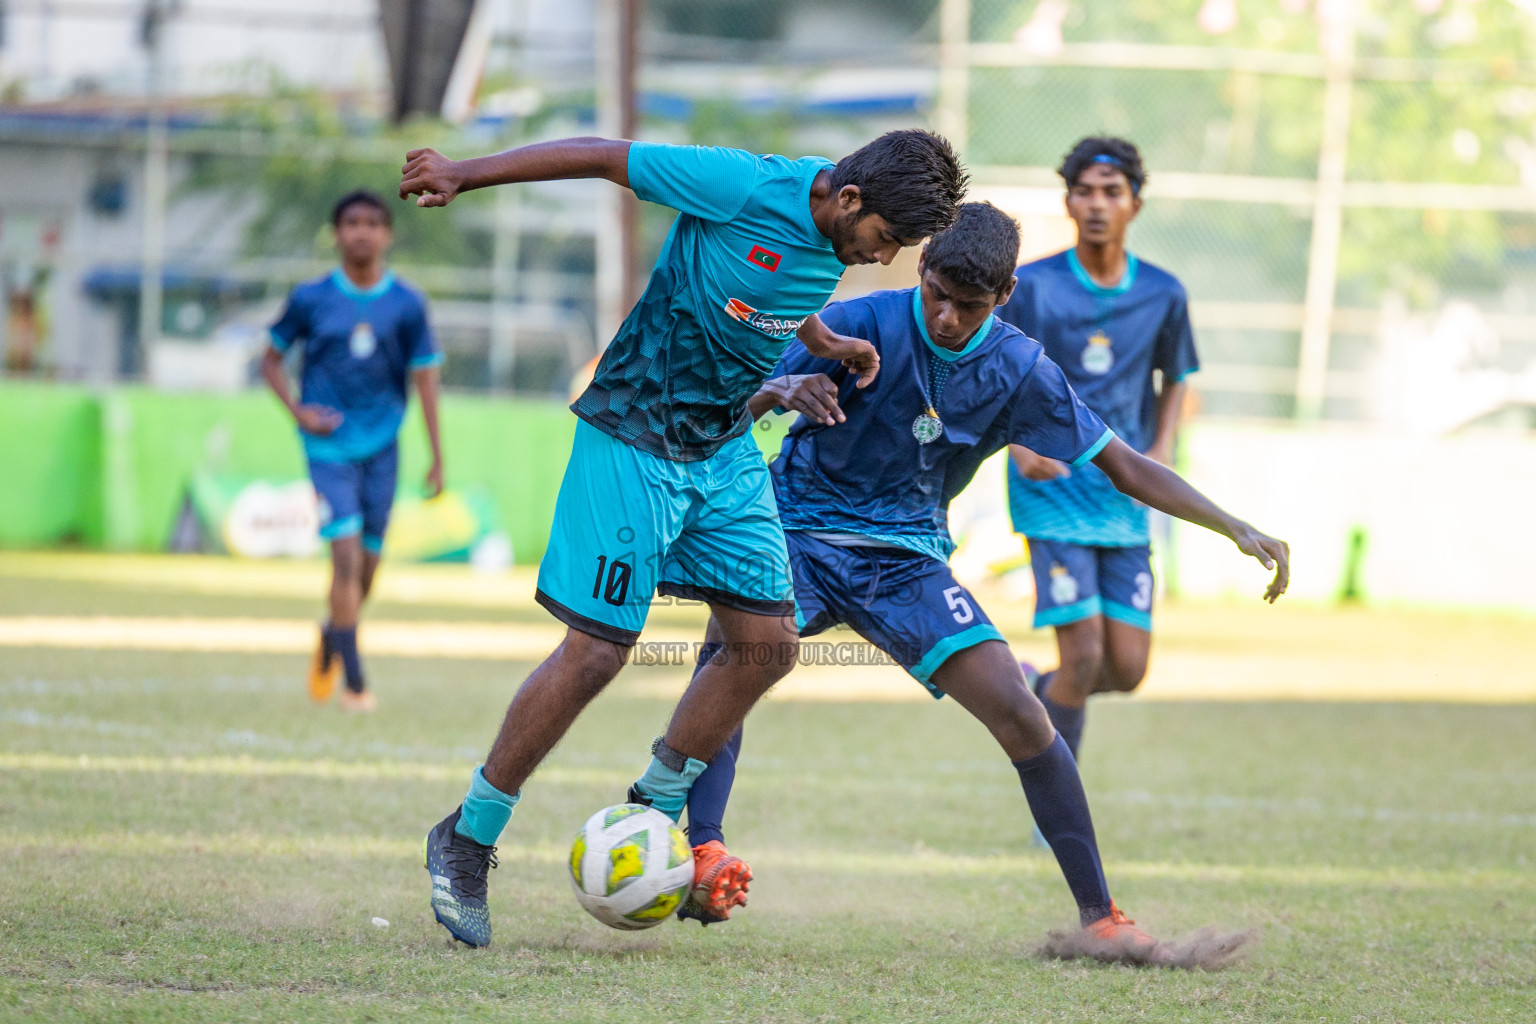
pixel 740 310
pixel 765 258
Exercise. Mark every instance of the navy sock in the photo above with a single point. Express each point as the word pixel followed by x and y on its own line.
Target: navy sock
pixel 712 790
pixel 1068 721
pixel 344 644
pixel 1056 799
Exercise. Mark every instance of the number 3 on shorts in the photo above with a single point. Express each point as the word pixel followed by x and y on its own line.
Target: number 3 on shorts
pixel 959 607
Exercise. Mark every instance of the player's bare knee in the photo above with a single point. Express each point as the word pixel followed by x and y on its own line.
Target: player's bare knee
pixel 1083 664
pixel 1124 676
pixel 590 662
pixel 1030 727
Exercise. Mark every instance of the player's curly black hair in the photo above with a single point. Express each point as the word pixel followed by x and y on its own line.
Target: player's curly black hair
pixel 1106 149
pixel 364 197
pixel 978 250
pixel 912 178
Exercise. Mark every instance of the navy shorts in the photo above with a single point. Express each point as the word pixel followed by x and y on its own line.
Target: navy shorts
pixel 905 603
pixel 355 497
pixel 1074 582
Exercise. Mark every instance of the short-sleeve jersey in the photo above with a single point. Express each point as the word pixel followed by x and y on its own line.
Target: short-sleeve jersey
pixel 1108 341
pixel 870 475
pixel 741 269
pixel 359 346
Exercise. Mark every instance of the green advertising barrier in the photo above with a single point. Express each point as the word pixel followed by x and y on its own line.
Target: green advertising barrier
pixel 50 454
pixel 279 518
pixel 113 469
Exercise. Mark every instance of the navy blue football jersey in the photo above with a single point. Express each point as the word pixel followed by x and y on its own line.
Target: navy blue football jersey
pixel 1108 342
pixel 873 476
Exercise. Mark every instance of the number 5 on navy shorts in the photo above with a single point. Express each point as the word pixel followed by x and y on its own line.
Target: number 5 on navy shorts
pixel 907 604
pixel 629 524
pixel 1074 582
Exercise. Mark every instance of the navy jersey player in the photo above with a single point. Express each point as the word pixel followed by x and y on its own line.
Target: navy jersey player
pixel 869 538
pixel 364 337
pixel 665 490
pixel 1117 326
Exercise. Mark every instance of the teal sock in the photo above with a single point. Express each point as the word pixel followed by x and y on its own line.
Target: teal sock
pixel 486 810
pixel 667 788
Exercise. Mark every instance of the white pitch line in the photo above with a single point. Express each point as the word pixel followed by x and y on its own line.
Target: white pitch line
pixel 895 862
pixel 1177 674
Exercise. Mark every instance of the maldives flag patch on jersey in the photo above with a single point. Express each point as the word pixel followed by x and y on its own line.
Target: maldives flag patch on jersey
pixel 765 258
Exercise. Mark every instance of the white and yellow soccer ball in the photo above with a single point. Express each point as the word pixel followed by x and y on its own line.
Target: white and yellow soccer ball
pixel 630 866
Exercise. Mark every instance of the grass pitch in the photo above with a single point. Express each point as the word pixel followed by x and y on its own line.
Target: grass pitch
pixel 184 837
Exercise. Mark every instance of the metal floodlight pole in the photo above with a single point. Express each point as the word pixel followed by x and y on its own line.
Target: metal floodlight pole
pixel 156 159
pixel 618 59
pixel 1327 213
pixel 954 71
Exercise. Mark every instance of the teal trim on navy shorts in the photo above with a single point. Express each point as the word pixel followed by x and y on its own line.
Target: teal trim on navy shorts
pixel 346 526
pixel 373 545
pixel 947 648
pixel 1128 615
pixel 1098 446
pixel 1067 614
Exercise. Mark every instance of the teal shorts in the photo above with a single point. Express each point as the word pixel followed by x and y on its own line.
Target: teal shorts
pixel 629 525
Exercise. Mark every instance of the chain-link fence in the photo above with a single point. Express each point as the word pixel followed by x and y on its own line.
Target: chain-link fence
pixel 1429 178
pixel 1346 187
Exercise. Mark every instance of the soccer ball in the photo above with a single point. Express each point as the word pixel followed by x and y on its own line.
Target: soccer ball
pixel 630 866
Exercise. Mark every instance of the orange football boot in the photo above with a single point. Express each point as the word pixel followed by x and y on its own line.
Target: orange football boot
pixel 324 672
pixel 1116 939
pixel 719 885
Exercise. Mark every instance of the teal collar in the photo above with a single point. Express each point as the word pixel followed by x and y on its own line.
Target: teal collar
pixel 945 354
pixel 352 291
pixel 1094 288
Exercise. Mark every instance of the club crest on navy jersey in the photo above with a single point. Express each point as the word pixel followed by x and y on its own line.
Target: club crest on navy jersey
pixel 362 343
pixel 1098 356
pixel 927 428
pixel 1063 585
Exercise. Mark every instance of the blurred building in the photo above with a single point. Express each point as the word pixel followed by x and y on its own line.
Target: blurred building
pixel 1344 189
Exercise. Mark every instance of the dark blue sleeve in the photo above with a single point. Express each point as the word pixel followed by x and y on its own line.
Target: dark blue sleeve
pixel 1175 353
pixel 421 349
pixel 293 325
pixel 710 182
pixel 1047 417
pixel 797 360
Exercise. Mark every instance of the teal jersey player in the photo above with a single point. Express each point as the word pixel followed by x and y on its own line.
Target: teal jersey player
pixel 665 491
pixel 742 269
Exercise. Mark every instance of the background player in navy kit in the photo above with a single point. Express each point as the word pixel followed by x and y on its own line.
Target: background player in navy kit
pixel 869 538
pixel 363 334
pixel 1116 326
pixel 666 491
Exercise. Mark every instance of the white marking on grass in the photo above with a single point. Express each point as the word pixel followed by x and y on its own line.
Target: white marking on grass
pixel 872 863
pixel 1178 674
pixel 416 771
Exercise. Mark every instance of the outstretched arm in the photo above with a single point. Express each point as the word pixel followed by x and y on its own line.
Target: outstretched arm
pixel 809 394
pixel 437 179
pixel 855 353
pixel 1161 488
